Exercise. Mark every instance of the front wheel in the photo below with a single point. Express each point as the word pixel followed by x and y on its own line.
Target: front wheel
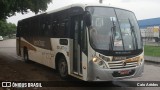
pixel 63 68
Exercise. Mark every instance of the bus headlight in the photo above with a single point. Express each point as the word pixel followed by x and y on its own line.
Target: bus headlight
pixel 99 62
pixel 94 59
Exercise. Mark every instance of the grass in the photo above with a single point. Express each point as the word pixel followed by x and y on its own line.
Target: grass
pixel 152 50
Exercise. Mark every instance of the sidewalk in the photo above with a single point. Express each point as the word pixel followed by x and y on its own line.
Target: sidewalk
pixel 152 59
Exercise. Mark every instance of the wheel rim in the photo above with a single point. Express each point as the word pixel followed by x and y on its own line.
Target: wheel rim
pixel 62 69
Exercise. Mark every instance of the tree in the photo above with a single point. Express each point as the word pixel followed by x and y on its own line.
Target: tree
pixel 7 28
pixel 9 7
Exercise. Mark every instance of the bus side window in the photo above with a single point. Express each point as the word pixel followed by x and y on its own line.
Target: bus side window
pixel 25 30
pixel 54 28
pixel 49 26
pixel 66 28
pixel 43 29
pixel 47 29
pixel 61 29
pixel 18 31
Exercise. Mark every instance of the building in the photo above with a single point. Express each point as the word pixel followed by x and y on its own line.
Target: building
pixel 150 28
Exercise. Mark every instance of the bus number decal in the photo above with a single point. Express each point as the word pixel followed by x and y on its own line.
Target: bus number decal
pixel 62 48
pixel 39 43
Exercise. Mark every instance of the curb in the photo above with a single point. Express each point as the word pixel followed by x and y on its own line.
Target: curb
pixel 152 61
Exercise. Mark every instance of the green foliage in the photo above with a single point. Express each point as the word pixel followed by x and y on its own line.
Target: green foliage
pixel 152 50
pixel 7 28
pixel 9 7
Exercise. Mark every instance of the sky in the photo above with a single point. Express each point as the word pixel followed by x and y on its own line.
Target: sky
pixel 143 9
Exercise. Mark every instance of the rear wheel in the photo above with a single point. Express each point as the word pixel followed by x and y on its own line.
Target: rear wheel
pixel 25 55
pixel 63 68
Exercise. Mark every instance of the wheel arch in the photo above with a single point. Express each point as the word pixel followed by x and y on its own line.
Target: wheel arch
pixel 59 55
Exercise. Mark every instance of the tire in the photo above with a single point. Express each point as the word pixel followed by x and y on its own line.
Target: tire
pixel 25 56
pixel 63 68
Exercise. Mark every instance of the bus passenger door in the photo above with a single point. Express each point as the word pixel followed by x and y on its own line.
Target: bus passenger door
pixel 79 58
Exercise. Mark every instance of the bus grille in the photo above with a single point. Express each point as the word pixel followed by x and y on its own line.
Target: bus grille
pixel 120 64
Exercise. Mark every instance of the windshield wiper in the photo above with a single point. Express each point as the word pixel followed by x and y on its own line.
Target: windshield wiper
pixel 112 37
pixel 134 34
pixel 111 44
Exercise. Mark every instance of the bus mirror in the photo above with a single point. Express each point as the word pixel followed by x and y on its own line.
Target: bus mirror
pixel 87 18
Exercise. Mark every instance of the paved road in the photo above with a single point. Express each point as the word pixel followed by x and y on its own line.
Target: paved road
pixel 8 43
pixel 13 68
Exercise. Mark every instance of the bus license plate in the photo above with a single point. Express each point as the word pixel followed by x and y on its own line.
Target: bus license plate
pixel 124 72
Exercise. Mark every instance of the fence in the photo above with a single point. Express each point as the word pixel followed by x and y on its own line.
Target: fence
pixel 151 50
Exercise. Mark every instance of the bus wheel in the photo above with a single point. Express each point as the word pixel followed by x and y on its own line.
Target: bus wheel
pixel 25 55
pixel 63 68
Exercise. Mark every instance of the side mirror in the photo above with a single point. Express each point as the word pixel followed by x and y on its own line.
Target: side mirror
pixel 87 18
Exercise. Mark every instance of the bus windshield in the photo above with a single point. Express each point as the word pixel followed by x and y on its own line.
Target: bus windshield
pixel 114 29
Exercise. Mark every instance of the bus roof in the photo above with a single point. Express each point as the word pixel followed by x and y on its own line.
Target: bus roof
pixel 83 5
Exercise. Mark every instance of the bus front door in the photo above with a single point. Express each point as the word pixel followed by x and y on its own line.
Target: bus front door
pixel 77 26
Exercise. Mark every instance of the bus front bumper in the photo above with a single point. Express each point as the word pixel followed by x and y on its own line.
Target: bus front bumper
pixel 99 74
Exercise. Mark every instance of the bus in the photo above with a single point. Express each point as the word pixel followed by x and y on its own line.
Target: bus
pixel 92 42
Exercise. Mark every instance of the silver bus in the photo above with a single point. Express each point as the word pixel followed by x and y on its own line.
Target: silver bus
pixel 86 41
